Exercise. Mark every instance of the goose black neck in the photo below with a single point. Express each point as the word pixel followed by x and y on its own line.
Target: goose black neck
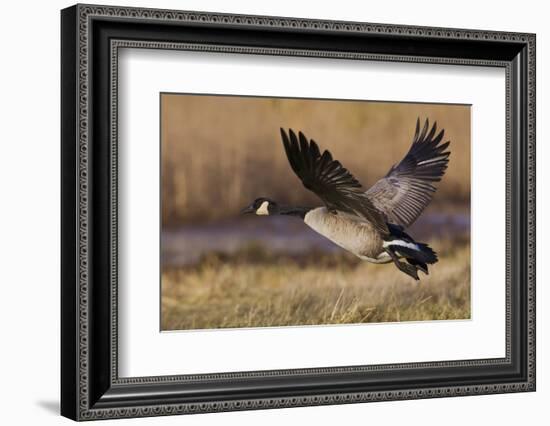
pixel 293 211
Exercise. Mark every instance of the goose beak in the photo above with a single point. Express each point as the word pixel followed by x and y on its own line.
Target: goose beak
pixel 248 209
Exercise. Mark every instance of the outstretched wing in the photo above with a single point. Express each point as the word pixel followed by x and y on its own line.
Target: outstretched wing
pixel 408 187
pixel 329 180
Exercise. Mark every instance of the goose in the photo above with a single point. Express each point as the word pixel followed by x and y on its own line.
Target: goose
pixel 370 224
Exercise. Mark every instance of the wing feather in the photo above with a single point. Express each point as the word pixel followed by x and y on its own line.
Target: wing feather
pixel 329 180
pixel 408 187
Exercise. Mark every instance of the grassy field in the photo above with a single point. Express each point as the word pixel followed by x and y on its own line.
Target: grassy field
pixel 256 288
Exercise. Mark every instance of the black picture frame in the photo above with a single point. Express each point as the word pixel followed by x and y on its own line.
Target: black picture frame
pixel 90 386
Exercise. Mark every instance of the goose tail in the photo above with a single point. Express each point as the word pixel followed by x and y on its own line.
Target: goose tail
pixel 418 255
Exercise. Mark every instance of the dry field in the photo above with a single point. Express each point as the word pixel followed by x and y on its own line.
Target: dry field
pixel 256 288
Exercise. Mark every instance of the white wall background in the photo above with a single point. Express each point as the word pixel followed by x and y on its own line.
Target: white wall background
pixel 29 213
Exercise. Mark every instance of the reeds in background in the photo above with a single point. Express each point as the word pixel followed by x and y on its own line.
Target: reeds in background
pixel 220 152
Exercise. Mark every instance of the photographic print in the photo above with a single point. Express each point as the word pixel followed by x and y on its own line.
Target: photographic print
pixel 292 212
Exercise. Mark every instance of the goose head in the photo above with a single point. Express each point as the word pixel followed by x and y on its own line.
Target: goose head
pixel 262 207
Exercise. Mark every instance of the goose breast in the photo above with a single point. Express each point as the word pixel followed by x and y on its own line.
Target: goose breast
pixel 350 233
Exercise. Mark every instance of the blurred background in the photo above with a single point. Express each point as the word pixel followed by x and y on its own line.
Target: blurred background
pixel 226 150
pixel 221 269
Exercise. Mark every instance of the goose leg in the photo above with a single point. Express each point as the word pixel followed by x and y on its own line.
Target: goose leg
pixel 410 270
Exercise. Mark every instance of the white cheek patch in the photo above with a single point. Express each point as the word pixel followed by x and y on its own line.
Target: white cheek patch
pixel 262 210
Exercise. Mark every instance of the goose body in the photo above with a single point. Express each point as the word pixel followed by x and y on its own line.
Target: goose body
pixel 370 224
pixel 356 236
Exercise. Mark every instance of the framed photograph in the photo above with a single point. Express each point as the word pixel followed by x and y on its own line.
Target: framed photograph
pixel 263 212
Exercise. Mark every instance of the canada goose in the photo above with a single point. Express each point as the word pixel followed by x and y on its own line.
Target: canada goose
pixel 369 224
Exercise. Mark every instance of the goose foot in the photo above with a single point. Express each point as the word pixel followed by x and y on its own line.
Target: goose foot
pixel 408 269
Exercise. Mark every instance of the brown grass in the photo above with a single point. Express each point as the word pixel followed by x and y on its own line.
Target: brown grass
pixel 225 151
pixel 255 288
